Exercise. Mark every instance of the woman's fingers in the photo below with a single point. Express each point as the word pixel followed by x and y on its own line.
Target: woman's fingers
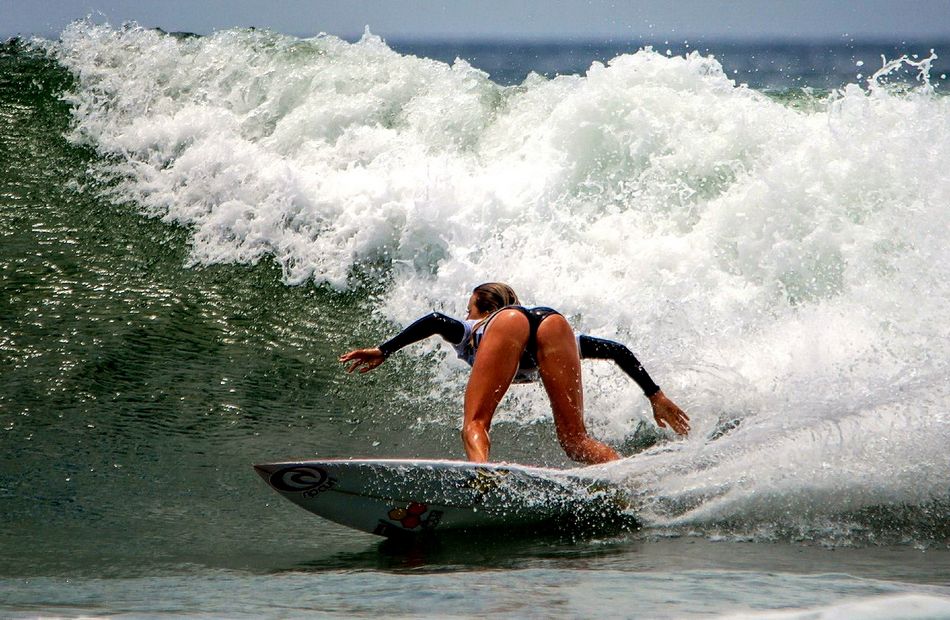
pixel 675 419
pixel 680 421
pixel 667 414
pixel 356 354
pixel 362 359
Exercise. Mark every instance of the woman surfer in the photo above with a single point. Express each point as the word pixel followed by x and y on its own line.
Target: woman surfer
pixel 507 343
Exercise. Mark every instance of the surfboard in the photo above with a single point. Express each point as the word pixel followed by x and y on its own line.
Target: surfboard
pixel 399 497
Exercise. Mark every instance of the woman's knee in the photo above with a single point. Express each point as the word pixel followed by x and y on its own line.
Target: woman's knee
pixel 575 447
pixel 584 449
pixel 472 430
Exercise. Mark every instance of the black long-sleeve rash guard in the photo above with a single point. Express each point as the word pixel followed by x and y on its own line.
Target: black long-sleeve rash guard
pixel 453 330
pixel 599 348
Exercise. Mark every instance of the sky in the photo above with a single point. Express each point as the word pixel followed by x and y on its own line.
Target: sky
pixel 506 19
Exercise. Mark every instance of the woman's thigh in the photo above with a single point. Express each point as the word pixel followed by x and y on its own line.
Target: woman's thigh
pixel 496 363
pixel 559 365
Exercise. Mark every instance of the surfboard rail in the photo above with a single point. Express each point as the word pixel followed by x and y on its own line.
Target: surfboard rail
pixel 399 497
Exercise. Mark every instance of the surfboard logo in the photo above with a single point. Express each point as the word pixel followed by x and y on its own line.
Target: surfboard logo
pixel 414 515
pixel 298 479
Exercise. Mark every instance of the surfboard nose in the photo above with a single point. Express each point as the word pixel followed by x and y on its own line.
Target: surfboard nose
pixel 265 470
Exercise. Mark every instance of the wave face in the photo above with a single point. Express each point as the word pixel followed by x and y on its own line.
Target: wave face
pixel 780 263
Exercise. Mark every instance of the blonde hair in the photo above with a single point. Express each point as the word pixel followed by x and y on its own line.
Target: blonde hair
pixel 491 297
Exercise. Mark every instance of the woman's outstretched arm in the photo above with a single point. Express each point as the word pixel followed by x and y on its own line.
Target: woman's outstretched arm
pixel 665 412
pixel 365 360
pixel 599 348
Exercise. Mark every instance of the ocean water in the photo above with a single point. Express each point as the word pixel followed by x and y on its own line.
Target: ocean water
pixel 193 228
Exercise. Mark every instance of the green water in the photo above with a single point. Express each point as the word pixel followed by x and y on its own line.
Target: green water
pixel 135 392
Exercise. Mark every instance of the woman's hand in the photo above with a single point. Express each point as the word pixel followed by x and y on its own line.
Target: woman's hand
pixel 364 359
pixel 668 415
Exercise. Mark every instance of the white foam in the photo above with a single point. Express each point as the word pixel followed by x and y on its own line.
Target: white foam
pixel 886 607
pixel 780 265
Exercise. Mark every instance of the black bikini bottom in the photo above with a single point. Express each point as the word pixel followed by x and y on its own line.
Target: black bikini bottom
pixel 529 359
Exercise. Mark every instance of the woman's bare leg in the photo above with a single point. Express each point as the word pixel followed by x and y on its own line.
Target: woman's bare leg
pixel 560 367
pixel 495 366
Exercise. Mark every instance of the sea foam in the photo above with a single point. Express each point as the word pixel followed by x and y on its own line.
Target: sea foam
pixel 780 264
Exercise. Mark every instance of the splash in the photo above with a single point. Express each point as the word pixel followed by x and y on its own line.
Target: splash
pixel 781 269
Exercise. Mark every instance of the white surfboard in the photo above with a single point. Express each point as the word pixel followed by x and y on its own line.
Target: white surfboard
pixel 394 497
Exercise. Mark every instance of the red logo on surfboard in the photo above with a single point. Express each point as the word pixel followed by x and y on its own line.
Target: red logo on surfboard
pixel 411 516
pixel 414 515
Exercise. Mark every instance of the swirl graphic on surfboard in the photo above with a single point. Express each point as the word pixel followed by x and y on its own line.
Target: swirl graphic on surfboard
pixel 298 479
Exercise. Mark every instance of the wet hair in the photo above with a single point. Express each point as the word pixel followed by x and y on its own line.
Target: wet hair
pixel 493 296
